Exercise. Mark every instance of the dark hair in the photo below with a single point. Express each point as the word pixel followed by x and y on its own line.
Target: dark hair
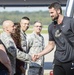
pixel 56 6
pixel 26 18
pixel 17 30
pixel 16 36
pixel 16 23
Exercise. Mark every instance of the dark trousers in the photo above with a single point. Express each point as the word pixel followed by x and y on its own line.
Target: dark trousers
pixel 18 72
pixel 4 72
pixel 64 69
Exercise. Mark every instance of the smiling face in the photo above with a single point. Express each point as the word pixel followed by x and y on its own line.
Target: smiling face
pixel 11 28
pixel 37 27
pixel 8 26
pixel 54 14
pixel 55 11
pixel 24 24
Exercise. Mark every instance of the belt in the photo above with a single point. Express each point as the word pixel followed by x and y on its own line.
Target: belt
pixel 33 67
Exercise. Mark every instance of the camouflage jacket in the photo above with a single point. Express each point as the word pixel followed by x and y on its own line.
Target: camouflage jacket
pixel 12 51
pixel 35 45
pixel 23 41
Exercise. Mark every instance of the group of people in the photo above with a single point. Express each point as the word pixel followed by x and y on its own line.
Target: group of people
pixel 13 45
pixel 17 49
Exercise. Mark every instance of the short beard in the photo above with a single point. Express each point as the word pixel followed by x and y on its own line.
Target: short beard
pixel 55 19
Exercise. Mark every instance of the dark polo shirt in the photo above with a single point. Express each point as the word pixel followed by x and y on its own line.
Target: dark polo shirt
pixel 60 34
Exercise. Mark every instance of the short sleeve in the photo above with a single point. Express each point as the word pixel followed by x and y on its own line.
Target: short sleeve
pixel 50 28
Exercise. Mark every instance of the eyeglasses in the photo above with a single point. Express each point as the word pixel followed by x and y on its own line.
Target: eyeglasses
pixel 39 26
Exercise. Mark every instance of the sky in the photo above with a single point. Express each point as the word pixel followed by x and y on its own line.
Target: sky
pixel 23 9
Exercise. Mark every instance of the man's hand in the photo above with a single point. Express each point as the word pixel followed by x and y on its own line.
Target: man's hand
pixel 35 57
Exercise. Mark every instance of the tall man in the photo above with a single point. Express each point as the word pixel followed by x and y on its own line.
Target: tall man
pixel 24 26
pixel 61 34
pixel 12 50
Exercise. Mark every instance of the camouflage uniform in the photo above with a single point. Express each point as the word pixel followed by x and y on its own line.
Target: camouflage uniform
pixel 12 50
pixel 24 44
pixel 36 45
pixel 23 41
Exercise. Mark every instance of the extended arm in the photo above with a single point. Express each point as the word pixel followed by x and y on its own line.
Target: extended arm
pixel 23 56
pixel 47 49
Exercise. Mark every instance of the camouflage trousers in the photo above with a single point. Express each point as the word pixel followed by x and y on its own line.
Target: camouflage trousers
pixel 35 71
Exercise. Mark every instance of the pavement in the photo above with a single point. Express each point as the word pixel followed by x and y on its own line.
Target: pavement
pixel 48 58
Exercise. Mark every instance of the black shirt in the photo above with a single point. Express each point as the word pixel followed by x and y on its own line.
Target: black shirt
pixel 2 67
pixel 60 34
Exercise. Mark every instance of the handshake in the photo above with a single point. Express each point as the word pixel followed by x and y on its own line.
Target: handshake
pixel 35 57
